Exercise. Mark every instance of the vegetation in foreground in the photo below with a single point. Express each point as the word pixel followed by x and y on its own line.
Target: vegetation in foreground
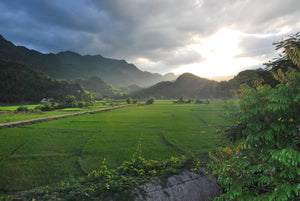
pixel 264 163
pixel 48 152
pixel 122 183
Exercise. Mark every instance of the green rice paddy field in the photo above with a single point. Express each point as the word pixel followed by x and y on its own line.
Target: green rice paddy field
pixel 48 152
pixel 7 113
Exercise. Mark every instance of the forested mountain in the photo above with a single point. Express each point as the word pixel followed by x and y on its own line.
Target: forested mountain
pixel 71 66
pixel 99 86
pixel 187 84
pixel 190 85
pixel 19 83
pixel 98 74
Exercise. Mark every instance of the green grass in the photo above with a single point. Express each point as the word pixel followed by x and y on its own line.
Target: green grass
pixel 14 107
pixel 50 151
pixel 7 113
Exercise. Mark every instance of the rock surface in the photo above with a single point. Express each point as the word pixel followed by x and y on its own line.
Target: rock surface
pixel 187 186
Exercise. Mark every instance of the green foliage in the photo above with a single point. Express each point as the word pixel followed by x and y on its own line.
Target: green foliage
pixel 129 100
pixel 122 183
pixel 22 109
pixel 47 106
pixel 199 101
pixel 265 165
pixel 150 100
pixel 51 149
pixel 99 87
pixel 70 101
pixel 19 83
pixel 80 104
pixel 181 100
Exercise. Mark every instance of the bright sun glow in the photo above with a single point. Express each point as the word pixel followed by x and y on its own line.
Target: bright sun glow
pixel 219 55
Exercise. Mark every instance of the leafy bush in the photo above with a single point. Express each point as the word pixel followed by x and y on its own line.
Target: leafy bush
pixel 89 103
pixel 188 101
pixel 150 100
pixel 22 109
pixel 129 100
pixel 80 104
pixel 47 106
pixel 70 101
pixel 198 101
pixel 122 183
pixel 265 163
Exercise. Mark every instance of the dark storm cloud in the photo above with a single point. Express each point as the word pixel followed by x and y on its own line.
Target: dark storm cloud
pixel 155 30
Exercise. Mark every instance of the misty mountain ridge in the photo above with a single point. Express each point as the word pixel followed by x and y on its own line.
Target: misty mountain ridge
pixel 187 84
pixel 71 66
pixel 192 86
pixel 222 78
pixel 101 75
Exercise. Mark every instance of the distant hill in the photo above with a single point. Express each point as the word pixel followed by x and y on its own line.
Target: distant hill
pixel 19 83
pixel 190 85
pixel 71 66
pixel 187 84
pixel 244 77
pixel 131 89
pixel 99 86
pixel 222 78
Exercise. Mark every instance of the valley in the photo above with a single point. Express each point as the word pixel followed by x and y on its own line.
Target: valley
pixel 48 152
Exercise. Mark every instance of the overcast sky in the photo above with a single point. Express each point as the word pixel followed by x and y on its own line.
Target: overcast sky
pixel 204 37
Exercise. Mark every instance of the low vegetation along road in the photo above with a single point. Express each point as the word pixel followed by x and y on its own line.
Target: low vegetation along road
pixel 28 121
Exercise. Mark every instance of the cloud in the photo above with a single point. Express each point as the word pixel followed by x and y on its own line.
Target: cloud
pixel 161 32
pixel 258 47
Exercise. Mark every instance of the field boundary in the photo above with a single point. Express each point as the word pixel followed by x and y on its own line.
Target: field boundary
pixel 169 144
pixel 37 120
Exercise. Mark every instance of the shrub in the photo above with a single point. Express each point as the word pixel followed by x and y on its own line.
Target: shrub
pixel 265 164
pixel 80 104
pixel 198 101
pixel 180 100
pixel 150 100
pixel 129 100
pixel 22 109
pixel 69 101
pixel 122 183
pixel 188 101
pixel 47 106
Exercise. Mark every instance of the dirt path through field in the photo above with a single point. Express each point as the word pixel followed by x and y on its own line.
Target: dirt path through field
pixel 30 121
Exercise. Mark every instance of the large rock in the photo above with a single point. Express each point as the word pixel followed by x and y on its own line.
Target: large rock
pixel 187 186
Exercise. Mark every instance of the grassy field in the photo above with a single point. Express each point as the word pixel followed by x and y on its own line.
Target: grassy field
pixel 8 114
pixel 48 152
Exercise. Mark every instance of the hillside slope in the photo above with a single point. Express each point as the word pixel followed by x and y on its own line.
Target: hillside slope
pixel 19 83
pixel 187 84
pixel 71 66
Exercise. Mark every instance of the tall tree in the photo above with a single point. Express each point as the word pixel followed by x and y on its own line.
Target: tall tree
pixel 264 165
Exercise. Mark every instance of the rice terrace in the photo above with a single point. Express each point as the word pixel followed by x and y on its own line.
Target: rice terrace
pixel 43 153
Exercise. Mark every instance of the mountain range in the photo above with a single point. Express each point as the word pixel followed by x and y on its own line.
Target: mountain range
pixel 71 66
pixel 26 69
